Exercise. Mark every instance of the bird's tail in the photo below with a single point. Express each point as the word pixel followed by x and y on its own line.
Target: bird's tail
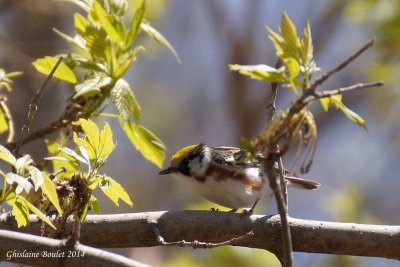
pixel 302 183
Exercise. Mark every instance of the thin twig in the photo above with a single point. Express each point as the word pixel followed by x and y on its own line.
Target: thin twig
pixel 357 86
pixel 340 66
pixel 9 118
pixel 197 244
pixel 274 92
pixel 33 107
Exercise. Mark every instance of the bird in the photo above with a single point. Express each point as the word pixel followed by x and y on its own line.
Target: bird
pixel 223 175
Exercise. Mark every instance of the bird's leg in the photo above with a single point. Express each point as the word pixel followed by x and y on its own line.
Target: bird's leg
pixel 250 211
pixel 233 210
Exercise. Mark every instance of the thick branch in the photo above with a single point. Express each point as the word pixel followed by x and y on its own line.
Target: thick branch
pixel 137 230
pixel 41 251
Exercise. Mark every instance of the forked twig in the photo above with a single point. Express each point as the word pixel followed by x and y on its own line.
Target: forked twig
pixel 33 107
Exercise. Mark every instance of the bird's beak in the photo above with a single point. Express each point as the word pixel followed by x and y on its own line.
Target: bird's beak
pixel 167 171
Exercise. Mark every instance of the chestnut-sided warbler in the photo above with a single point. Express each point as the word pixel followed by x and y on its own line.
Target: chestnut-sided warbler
pixel 222 175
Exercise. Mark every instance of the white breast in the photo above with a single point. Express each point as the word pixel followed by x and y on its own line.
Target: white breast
pixel 230 193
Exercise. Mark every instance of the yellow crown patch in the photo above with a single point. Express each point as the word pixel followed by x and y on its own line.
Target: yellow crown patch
pixel 177 157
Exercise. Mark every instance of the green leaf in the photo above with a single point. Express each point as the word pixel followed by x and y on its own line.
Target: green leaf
pixel 22 163
pixel 334 100
pixel 293 67
pixel 77 40
pixel 4 126
pixel 135 24
pixel 289 34
pixel 126 60
pixel 98 13
pixel 351 115
pixel 92 135
pixel 36 176
pixel 49 189
pixel 74 155
pixel 151 147
pixel 113 190
pixel 159 38
pixel 20 211
pixel 59 161
pixel 106 141
pixel 80 24
pixel 36 211
pixel 286 45
pixel 63 72
pixel 14 74
pixel 22 182
pixel 260 72
pixel 125 101
pixel 307 49
pixel 7 156
pixel 95 204
pixel 92 86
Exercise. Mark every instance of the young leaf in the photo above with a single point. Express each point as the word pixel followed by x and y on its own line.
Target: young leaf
pixel 98 13
pixel 80 24
pixel 159 38
pixel 92 135
pixel 36 176
pixel 146 142
pixel 74 155
pixel 293 67
pixel 351 115
pixel 4 126
pixel 22 182
pixel 20 212
pixel 115 191
pixel 289 34
pixel 260 72
pixel 49 189
pixel 7 156
pixel 135 24
pixel 95 204
pixel 125 101
pixel 106 141
pixel 63 72
pixel 22 163
pixel 307 49
pixel 92 86
pixel 36 211
pixel 77 41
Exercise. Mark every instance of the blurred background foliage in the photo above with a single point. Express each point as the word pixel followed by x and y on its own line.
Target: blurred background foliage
pixel 199 100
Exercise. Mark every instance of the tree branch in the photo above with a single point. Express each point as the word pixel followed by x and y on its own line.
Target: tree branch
pixel 42 251
pixel 136 230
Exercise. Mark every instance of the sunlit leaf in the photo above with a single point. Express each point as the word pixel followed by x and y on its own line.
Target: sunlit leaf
pixel 106 141
pixel 36 211
pixel 151 147
pixel 36 176
pixel 77 41
pixel 293 67
pixel 95 204
pixel 4 126
pixel 22 182
pixel 159 38
pixel 92 86
pixel 20 211
pixel 74 155
pixel 22 163
pixel 80 24
pixel 49 189
pixel 7 156
pixel 307 49
pixel 260 72
pixel 125 101
pixel 92 135
pixel 63 72
pixel 113 190
pixel 351 115
pixel 135 24
pixel 98 13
